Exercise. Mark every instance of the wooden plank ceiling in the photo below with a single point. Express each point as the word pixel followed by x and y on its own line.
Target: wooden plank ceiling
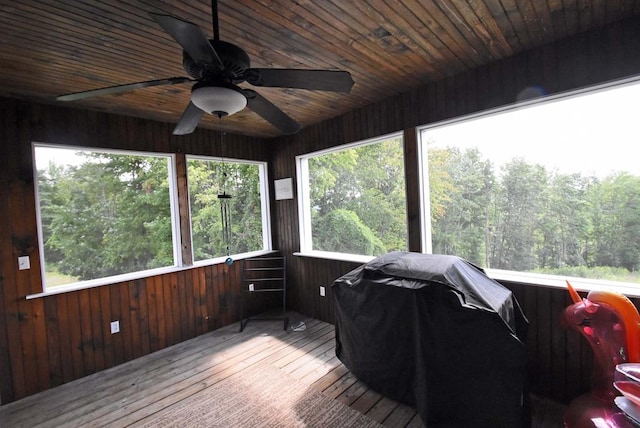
pixel 51 47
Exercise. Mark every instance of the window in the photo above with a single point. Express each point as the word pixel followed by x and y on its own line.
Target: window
pixel 352 199
pixel 103 214
pixel 550 188
pixel 246 183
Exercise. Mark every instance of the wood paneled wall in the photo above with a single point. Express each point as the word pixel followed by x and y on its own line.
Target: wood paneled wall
pixel 559 363
pixel 51 340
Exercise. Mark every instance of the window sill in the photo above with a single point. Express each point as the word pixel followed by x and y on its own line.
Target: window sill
pixel 532 279
pixel 140 275
pixel 235 257
pixel 560 282
pixel 343 257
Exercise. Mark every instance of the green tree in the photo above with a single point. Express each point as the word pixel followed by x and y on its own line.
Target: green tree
pixel 342 231
pixel 565 225
pixel 366 181
pixel 441 185
pixel 381 201
pixel 330 180
pixel 617 231
pixel 208 180
pixel 107 216
pixel 461 227
pixel 519 202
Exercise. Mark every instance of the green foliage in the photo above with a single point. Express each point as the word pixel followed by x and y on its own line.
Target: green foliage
pixel 461 191
pixel 111 214
pixel 367 182
pixel 618 226
pixel 330 179
pixel 519 201
pixel 530 219
pixel 207 180
pixel 441 184
pixel 342 231
pixel 107 216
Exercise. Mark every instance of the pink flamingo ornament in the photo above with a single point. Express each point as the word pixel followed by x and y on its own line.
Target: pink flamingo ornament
pixel 611 325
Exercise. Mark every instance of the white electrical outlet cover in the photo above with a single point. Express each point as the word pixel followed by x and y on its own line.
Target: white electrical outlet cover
pixel 24 263
pixel 322 291
pixel 115 327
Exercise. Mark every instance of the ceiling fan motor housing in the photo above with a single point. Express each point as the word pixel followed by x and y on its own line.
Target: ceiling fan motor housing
pixel 235 61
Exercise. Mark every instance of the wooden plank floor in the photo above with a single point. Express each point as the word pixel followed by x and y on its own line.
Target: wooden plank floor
pixel 129 394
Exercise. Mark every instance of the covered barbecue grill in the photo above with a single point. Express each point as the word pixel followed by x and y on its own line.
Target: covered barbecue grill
pixel 434 332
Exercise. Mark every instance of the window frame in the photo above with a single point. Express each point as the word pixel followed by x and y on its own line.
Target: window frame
pixel 304 199
pixel 521 277
pixel 113 279
pixel 267 242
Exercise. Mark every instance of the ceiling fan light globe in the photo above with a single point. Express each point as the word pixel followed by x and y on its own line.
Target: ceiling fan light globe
pixel 218 100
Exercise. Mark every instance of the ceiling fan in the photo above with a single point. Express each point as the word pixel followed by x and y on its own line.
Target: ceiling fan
pixel 217 68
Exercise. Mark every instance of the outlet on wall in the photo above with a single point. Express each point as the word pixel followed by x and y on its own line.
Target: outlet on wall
pixel 24 263
pixel 115 327
pixel 251 287
pixel 322 291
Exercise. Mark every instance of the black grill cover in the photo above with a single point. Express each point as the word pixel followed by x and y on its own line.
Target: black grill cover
pixel 434 332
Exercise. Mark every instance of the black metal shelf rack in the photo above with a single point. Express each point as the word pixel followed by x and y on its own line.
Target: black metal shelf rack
pixel 263 275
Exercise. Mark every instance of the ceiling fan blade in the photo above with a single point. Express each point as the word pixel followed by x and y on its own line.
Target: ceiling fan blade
pixel 191 38
pixel 189 120
pixel 122 88
pixel 322 80
pixel 272 114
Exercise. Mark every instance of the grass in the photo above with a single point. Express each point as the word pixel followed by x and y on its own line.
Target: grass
pixel 53 278
pixel 598 272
